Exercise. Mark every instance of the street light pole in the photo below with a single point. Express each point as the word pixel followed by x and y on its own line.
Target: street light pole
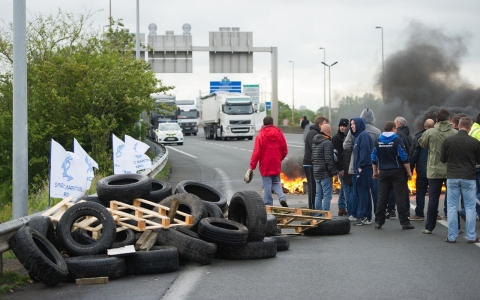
pixel 329 91
pixel 293 89
pixel 324 83
pixel 137 46
pixel 383 67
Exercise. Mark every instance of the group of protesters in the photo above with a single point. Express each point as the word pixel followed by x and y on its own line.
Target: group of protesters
pixel 374 168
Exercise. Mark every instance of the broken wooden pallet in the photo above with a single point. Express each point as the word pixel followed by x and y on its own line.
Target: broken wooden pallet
pixel 56 211
pixel 143 216
pixel 287 215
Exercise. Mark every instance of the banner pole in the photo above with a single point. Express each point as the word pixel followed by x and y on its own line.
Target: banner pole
pixel 50 175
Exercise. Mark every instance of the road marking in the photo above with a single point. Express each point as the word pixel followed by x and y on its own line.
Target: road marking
pixel 184 284
pixel 216 144
pixel 441 222
pixel 227 181
pixel 185 153
pixel 296 146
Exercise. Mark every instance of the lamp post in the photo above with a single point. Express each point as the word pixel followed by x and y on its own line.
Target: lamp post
pixel 329 91
pixel 383 67
pixel 293 89
pixel 137 42
pixel 324 83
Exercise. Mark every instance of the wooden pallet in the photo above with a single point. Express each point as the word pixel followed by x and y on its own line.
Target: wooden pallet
pixel 56 211
pixel 287 215
pixel 155 219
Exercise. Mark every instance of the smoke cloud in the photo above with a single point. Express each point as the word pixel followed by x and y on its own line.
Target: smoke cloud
pixel 293 167
pixel 424 76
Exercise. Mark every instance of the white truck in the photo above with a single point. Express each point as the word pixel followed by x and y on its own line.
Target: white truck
pixel 187 116
pixel 228 115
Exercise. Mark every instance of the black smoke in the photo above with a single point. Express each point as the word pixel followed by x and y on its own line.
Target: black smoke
pixel 293 167
pixel 424 76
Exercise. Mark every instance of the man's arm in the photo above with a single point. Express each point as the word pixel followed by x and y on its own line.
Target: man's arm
pixel 423 140
pixel 257 152
pixel 443 154
pixel 348 143
pixel 415 155
pixel 328 153
pixel 283 146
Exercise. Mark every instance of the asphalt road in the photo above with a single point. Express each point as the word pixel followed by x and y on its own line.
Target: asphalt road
pixel 366 264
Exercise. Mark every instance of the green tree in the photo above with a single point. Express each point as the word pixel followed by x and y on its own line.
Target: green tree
pixel 80 85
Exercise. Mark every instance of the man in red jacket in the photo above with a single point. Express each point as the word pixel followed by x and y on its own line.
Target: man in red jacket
pixel 269 150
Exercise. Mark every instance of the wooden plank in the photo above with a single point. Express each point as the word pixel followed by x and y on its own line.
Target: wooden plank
pixel 57 206
pixel 93 280
pixel 142 239
pixel 149 241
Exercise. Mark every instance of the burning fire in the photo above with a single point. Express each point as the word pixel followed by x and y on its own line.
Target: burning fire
pixel 292 185
pixel 413 187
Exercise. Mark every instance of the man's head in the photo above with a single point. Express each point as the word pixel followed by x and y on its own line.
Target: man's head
pixel 456 120
pixel 389 126
pixel 267 121
pixel 352 125
pixel 319 121
pixel 368 115
pixel 465 123
pixel 429 123
pixel 342 125
pixel 327 129
pixel 478 119
pixel 400 121
pixel 442 115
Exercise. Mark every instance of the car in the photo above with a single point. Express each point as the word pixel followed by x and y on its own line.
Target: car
pixel 169 133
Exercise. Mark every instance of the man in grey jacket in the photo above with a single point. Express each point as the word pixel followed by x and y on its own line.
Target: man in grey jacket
pixel 374 133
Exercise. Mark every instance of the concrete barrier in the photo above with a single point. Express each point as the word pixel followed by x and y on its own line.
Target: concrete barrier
pixel 291 129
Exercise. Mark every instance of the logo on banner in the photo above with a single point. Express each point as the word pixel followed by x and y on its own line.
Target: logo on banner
pixel 89 164
pixel 66 166
pixel 119 151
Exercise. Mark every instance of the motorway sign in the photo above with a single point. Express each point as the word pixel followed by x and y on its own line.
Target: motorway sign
pixel 252 90
pixel 226 85
pixel 268 105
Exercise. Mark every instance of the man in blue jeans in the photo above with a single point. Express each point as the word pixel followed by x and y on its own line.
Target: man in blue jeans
pixel 362 163
pixel 461 152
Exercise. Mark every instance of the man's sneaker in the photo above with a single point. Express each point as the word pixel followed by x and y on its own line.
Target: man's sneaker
pixel 361 221
pixel 416 218
pixel 439 217
pixel 426 231
pixel 342 212
pixel 352 218
pixel 283 203
pixel 378 226
pixel 390 214
pixel 408 226
pixel 367 222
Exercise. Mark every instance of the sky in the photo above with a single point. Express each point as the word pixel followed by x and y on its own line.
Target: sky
pixel 346 28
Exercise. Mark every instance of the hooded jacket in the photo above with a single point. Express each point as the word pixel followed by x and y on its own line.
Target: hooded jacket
pixel 362 146
pixel 269 150
pixel 337 141
pixel 322 157
pixel 403 132
pixel 432 140
pixel 305 122
pixel 389 152
pixel 419 157
pixel 307 156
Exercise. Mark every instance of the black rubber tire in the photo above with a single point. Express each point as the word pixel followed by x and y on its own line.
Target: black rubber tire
pixel 100 265
pixel 189 248
pixel 124 187
pixel 336 226
pixel 160 259
pixel 247 208
pixel 95 199
pixel 160 190
pixel 203 191
pixel 187 231
pixel 78 211
pixel 189 204
pixel 251 250
pixel 271 227
pixel 124 238
pixel 283 242
pixel 222 232
pixel 213 211
pixel 44 225
pixel 42 261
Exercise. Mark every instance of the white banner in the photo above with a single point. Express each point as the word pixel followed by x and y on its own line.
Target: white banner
pixel 67 173
pixel 88 161
pixel 141 161
pixel 123 157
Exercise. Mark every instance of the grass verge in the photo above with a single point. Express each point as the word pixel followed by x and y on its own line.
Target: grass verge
pixel 165 173
pixel 11 280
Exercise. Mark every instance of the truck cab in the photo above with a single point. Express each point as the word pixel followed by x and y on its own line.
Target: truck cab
pixel 187 116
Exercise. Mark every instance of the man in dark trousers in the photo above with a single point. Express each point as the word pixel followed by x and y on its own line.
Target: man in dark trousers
pixel 307 159
pixel 432 140
pixel 461 153
pixel 418 162
pixel 345 185
pixel 269 150
pixel 391 167
pixel 362 163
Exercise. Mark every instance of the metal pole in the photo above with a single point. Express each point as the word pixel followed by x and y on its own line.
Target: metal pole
pixel 138 32
pixel 20 125
pixel 324 83
pixel 274 96
pixel 383 71
pixel 330 96
pixel 293 90
pixel 110 15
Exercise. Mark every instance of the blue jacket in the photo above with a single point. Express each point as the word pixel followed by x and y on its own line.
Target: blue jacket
pixel 362 146
pixel 389 152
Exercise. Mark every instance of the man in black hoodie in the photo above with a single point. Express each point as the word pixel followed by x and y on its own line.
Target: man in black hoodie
pixel 344 193
pixel 307 159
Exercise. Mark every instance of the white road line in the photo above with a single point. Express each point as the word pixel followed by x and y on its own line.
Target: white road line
pixel 295 146
pixel 184 284
pixel 233 147
pixel 228 183
pixel 442 222
pixel 185 153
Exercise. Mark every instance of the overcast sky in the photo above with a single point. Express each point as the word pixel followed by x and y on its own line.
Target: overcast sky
pixel 346 28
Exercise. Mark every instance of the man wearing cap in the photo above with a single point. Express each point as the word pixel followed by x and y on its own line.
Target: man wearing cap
pixel 269 150
pixel 345 178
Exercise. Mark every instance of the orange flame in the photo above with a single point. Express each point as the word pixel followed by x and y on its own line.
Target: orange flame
pixel 413 187
pixel 292 185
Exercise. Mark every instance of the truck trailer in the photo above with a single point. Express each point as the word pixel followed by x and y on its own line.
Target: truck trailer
pixel 228 115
